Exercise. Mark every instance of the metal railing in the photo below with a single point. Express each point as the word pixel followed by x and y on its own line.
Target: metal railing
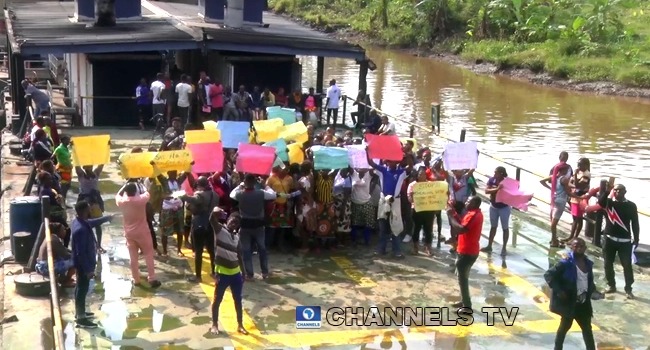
pixel 435 129
pixel 55 306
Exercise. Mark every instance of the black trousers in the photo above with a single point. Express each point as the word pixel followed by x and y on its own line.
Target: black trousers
pixel 624 251
pixel 202 238
pixel 423 221
pixel 333 112
pixel 583 318
pixel 80 292
pixel 464 264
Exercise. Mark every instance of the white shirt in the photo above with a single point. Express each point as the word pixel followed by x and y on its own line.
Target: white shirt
pixel 390 127
pixel 333 97
pixel 157 88
pixel 583 281
pixel 360 188
pixel 183 90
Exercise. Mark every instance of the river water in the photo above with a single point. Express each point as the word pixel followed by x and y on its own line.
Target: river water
pixel 525 124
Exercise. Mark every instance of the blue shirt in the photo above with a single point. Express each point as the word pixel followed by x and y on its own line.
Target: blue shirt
pixel 84 244
pixel 391 180
pixel 142 95
pixel 38 96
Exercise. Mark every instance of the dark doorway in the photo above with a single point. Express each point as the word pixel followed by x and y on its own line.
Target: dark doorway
pixel 118 79
pixel 263 74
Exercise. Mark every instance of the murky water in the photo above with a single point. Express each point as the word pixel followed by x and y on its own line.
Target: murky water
pixel 523 123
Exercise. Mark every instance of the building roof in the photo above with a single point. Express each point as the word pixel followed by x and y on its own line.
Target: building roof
pixel 280 36
pixel 48 28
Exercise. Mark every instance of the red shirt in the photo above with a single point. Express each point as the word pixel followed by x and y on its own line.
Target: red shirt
pixel 469 241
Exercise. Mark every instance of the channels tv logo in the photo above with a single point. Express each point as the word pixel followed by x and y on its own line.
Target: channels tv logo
pixel 308 317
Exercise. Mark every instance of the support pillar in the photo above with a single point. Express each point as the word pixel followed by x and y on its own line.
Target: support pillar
pixel 212 10
pixel 363 75
pixel 253 11
pixel 320 72
pixel 20 104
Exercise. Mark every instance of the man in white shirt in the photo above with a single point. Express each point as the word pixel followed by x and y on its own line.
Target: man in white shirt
pixel 333 97
pixel 158 99
pixel 386 128
pixel 183 89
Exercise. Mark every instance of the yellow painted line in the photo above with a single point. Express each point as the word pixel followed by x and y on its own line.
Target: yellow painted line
pixel 353 272
pixel 520 285
pixel 227 314
pixel 349 335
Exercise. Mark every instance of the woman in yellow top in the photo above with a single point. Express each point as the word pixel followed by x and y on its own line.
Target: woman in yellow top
pixel 281 213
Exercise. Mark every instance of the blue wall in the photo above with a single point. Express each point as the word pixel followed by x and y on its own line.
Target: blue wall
pixel 253 10
pixel 212 9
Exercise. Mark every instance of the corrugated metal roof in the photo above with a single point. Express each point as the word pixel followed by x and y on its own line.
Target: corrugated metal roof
pixel 46 27
pixel 42 25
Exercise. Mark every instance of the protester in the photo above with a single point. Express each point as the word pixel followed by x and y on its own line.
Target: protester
pixel 469 227
pixel 84 258
pixel 499 212
pixel 201 205
pixel 251 203
pixel 622 231
pixel 132 200
pixel 89 191
pixel 560 193
pixel 229 267
pixel 572 288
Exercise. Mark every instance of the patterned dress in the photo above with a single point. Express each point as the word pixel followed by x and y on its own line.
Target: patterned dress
pixel 281 211
pixel 343 205
pixel 326 225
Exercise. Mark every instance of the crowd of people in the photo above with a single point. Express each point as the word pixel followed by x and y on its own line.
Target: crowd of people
pixel 235 216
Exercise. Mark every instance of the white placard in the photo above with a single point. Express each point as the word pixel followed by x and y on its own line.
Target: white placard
pixel 357 157
pixel 460 155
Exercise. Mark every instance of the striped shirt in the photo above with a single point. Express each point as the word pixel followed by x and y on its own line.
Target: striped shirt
pixel 227 252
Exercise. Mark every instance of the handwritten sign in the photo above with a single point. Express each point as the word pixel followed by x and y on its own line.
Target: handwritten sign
pixel 209 125
pixel 330 157
pixel 267 130
pixel 208 157
pixel 460 155
pixel 202 136
pixel 511 195
pixel 137 165
pixel 357 157
pixel 233 133
pixel 287 115
pixel 255 159
pixel 296 154
pixel 386 147
pixel 91 150
pixel 280 149
pixel 294 132
pixel 172 160
pixel 430 196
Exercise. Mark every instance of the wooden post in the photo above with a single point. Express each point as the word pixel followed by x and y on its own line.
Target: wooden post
pixel 363 74
pixel 435 117
pixel 320 73
pixel 345 105
pixel 411 131
pixel 462 135
pixel 518 174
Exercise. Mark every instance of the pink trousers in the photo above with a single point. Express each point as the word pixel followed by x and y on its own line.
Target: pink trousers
pixel 136 242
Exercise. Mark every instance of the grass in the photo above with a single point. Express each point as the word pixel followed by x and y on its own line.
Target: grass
pixel 626 62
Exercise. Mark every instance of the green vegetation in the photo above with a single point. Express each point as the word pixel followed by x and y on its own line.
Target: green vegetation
pixel 582 40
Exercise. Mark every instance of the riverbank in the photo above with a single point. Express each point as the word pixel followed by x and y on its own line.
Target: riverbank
pixel 620 70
